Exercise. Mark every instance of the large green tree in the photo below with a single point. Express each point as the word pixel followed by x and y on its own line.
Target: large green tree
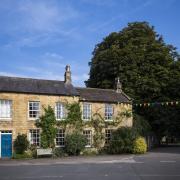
pixel 149 69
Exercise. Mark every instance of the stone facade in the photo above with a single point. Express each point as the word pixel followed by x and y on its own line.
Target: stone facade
pixel 20 123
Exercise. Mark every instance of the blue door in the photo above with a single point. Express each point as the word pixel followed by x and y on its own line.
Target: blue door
pixel 6 145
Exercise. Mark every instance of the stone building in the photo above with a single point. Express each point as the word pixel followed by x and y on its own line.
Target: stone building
pixel 21 101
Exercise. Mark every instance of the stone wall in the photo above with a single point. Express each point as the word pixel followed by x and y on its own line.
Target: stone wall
pixel 20 123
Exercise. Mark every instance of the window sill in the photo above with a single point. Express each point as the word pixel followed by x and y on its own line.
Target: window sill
pixel 108 120
pixel 88 146
pixel 32 119
pixel 60 119
pixel 60 146
pixel 5 119
pixel 86 119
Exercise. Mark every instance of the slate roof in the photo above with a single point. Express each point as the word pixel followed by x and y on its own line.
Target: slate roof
pixel 102 95
pixel 53 87
pixel 36 86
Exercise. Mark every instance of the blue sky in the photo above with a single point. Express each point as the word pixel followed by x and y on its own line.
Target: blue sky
pixel 39 37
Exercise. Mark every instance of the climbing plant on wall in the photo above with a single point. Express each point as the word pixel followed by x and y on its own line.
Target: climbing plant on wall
pixel 47 124
pixel 74 123
pixel 98 123
pixel 73 119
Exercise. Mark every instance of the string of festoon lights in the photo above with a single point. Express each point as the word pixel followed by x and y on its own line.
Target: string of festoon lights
pixel 149 104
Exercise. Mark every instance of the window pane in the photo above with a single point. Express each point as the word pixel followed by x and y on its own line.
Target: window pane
pixel 88 135
pixel 60 137
pixel 108 135
pixel 108 112
pixel 34 109
pixel 86 111
pixel 34 137
pixel 60 111
pixel 5 108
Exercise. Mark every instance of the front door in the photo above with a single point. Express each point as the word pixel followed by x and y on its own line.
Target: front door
pixel 6 145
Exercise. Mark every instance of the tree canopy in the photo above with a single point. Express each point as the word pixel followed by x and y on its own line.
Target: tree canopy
pixel 149 70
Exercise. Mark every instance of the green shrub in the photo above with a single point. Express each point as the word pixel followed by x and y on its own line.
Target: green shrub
pixel 122 140
pixel 74 143
pixel 21 143
pixel 33 149
pixel 89 152
pixel 58 152
pixel 104 150
pixel 25 155
pixel 139 145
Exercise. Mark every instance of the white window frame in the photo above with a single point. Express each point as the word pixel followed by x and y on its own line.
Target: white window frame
pixel 30 137
pixel 88 137
pixel 61 138
pixel 63 111
pixel 87 116
pixel 107 112
pixel 108 138
pixel 8 111
pixel 33 118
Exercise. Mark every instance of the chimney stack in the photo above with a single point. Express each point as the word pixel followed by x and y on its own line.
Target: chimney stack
pixel 118 86
pixel 67 75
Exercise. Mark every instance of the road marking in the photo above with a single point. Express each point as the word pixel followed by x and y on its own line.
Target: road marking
pixel 168 161
pixel 123 160
pixel 33 177
pixel 106 175
pixel 160 175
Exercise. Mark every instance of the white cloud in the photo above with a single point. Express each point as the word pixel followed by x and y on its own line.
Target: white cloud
pixel 51 71
pixel 30 69
pixel 123 15
pixel 39 75
pixel 53 55
pixel 100 2
pixel 37 23
pixel 3 73
pixel 80 77
pixel 45 16
pixel 50 75
pixel 53 60
pixel 40 39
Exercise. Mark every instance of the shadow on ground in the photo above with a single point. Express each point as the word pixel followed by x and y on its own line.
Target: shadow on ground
pixel 170 149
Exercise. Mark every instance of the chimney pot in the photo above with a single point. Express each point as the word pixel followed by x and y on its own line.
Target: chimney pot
pixel 118 86
pixel 67 75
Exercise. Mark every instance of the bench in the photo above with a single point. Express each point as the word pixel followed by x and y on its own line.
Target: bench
pixel 44 152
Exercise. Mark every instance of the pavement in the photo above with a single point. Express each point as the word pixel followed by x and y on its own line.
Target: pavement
pixel 159 164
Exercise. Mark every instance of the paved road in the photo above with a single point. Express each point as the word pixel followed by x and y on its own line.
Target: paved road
pixel 161 164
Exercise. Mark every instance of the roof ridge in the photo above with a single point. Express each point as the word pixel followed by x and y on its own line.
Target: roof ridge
pixel 29 78
pixel 94 88
pixel 126 95
pixel 36 86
